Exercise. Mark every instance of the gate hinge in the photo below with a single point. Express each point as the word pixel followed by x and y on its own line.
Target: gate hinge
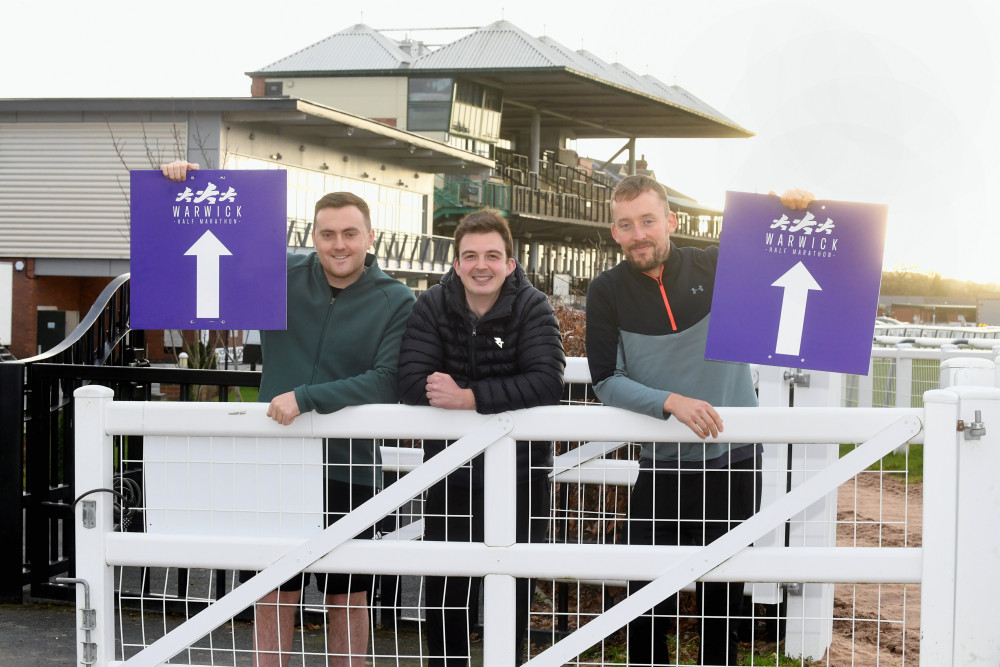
pixel 798 377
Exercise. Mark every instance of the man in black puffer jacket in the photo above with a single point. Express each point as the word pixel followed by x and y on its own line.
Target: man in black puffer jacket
pixel 484 339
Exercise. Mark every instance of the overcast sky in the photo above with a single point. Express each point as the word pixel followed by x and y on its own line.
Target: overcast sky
pixel 883 101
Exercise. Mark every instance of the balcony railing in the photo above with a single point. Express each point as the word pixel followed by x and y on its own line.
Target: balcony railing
pixel 396 251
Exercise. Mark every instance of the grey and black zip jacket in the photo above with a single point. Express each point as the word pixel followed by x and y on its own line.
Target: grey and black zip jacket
pixel 646 339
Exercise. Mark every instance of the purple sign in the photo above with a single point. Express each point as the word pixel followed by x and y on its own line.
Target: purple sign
pixel 208 253
pixel 797 288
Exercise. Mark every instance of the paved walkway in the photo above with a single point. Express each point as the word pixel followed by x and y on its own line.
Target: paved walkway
pixel 37 634
pixel 43 634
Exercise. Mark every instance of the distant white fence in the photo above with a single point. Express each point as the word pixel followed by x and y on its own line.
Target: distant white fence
pixel 957 582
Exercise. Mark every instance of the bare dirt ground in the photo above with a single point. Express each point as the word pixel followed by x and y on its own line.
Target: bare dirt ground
pixel 877 624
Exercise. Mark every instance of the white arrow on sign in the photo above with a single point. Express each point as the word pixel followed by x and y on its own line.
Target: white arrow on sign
pixel 207 249
pixel 797 282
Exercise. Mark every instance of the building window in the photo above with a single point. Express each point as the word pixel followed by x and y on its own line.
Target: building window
pixel 476 112
pixel 429 104
pixel 273 89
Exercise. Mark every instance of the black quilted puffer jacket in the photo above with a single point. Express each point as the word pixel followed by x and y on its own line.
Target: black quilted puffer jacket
pixel 512 358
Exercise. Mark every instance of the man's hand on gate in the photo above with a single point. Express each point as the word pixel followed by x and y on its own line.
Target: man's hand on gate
pixel 443 392
pixel 283 408
pixel 697 415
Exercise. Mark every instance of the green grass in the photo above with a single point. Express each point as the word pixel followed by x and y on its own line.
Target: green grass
pixel 909 465
pixel 247 394
pixel 772 659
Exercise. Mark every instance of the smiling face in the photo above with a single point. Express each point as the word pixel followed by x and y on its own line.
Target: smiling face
pixel 642 227
pixel 482 265
pixel 342 238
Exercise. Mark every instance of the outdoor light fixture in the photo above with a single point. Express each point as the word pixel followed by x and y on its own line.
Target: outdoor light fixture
pixel 382 167
pixel 347 159
pixel 324 166
pixel 302 148
pixel 364 174
pixel 416 175
pixel 400 182
pixel 412 149
pixel 275 156
pixel 350 131
pixel 252 137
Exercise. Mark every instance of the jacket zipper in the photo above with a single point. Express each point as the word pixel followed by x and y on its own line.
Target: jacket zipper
pixel 472 354
pixel 663 293
pixel 322 335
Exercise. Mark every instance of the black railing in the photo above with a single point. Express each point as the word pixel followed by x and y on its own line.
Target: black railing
pixel 393 249
pixel 556 190
pixel 37 462
pixel 558 205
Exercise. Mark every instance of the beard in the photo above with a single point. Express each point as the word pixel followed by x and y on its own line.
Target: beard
pixel 652 257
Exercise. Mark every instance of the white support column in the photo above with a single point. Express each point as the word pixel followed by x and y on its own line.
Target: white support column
pixel 535 140
pixel 809 628
pixel 500 531
pixel 94 520
pixel 977 581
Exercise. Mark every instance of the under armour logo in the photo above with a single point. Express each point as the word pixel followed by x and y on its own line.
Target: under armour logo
pixel 695 290
pixel 499 341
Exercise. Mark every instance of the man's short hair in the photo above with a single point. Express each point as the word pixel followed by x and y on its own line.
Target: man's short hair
pixel 631 187
pixel 485 221
pixel 342 200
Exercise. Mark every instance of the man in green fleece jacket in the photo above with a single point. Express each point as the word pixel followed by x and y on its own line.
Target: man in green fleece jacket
pixel 345 322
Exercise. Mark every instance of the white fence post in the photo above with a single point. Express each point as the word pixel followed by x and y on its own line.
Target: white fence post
pixel 937 590
pixel 500 530
pixel 809 628
pixel 996 365
pixel 772 392
pixel 866 386
pixel 904 376
pixel 966 372
pixel 977 581
pixel 94 519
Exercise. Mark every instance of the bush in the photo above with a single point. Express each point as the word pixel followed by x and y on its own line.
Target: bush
pixel 573 326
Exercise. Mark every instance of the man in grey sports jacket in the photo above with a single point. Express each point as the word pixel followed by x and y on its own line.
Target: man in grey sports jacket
pixel 647 323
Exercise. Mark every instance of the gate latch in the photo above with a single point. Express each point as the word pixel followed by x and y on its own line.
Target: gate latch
pixel 975 430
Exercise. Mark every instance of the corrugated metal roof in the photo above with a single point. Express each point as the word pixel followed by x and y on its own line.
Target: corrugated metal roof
pixel 590 97
pixel 603 69
pixel 500 45
pixel 358 47
pixel 567 54
pixel 692 102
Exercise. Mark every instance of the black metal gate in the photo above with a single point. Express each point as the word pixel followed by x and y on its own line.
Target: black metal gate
pixel 37 436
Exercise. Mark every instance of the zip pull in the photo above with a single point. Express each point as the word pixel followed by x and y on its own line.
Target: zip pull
pixel 663 293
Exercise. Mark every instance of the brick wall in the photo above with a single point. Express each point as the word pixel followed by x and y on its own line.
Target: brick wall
pixel 31 291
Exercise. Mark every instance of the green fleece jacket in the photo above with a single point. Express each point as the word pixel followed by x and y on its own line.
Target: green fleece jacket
pixel 337 352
